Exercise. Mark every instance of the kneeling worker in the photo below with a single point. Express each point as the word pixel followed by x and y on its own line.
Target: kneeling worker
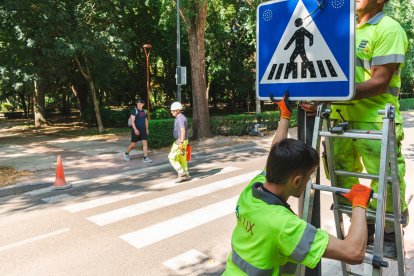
pixel 269 238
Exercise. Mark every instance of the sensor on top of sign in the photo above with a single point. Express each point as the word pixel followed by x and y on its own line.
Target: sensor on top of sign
pixel 267 15
pixel 337 4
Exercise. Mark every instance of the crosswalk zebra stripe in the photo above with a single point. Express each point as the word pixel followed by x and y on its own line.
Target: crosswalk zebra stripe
pixel 77 207
pixel 168 200
pixel 166 229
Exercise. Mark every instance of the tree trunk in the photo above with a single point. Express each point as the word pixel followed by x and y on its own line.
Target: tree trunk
pixel 88 77
pixel 39 106
pixel 95 103
pixel 24 105
pixel 64 103
pixel 82 98
pixel 196 29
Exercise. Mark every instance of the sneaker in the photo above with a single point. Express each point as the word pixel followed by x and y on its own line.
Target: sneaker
pixel 186 177
pixel 147 160
pixel 126 157
pixel 179 179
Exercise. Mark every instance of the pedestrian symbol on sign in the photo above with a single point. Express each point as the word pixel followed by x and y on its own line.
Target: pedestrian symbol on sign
pixel 310 55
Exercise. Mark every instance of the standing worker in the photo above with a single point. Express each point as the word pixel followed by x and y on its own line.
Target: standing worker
pixel 381 44
pixel 139 131
pixel 178 153
pixel 269 239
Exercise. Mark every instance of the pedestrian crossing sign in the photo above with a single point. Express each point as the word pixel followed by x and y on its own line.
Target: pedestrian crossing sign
pixel 306 47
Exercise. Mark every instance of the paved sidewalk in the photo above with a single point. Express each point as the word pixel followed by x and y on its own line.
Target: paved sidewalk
pixel 86 157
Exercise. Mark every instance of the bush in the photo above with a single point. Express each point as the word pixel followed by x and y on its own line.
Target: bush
pixel 7 107
pixel 238 124
pixel 161 132
pixel 160 113
pixel 406 104
pixel 110 118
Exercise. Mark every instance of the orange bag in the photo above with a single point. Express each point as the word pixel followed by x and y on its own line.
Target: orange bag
pixel 189 152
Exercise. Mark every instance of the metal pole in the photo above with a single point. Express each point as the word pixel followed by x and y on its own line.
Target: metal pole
pixel 178 51
pixel 305 131
pixel 147 50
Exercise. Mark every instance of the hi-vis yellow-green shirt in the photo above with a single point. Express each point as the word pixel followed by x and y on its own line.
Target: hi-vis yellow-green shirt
pixel 379 41
pixel 269 239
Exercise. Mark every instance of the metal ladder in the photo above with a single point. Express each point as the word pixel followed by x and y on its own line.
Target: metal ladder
pixel 324 128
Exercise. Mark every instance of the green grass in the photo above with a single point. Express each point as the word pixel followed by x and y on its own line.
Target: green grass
pixel 406 104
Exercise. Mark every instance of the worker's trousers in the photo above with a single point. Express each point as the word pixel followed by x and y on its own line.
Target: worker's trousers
pixel 355 155
pixel 179 160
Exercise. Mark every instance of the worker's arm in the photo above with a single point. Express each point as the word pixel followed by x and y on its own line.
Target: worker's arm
pixel 352 249
pixel 182 135
pixel 285 115
pixel 378 83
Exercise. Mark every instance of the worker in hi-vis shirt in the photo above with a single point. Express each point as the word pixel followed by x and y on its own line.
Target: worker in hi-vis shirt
pixel 269 238
pixel 381 45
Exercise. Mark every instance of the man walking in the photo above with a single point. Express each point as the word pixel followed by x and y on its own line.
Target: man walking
pixel 178 153
pixel 139 131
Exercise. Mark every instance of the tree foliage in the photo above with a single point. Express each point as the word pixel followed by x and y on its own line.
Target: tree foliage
pixel 88 54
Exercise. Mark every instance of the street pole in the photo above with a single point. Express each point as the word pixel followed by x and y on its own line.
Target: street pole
pixel 178 52
pixel 147 50
pixel 305 133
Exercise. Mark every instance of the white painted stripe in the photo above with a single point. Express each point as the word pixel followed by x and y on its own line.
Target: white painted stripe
pixel 172 183
pixel 161 202
pixel 34 239
pixel 58 198
pixel 191 262
pixel 73 208
pixel 177 225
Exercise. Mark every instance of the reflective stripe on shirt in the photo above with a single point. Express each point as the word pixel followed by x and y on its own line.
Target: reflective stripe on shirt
pixel 288 268
pixel 248 268
pixel 379 60
pixel 304 244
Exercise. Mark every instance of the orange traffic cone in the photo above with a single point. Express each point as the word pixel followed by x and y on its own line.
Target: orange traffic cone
pixel 60 182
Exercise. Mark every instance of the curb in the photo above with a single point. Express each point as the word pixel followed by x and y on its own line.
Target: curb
pixel 21 188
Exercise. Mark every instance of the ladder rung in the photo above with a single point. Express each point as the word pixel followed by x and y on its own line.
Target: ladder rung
pixel 352 135
pixel 371 214
pixel 335 190
pixel 361 175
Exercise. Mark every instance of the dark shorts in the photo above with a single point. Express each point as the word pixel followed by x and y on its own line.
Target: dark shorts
pixel 142 135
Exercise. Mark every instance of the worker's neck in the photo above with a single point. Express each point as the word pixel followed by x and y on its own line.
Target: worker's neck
pixel 280 190
pixel 365 16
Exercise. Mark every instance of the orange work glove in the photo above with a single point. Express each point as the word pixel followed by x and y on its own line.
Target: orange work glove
pixel 359 195
pixel 284 106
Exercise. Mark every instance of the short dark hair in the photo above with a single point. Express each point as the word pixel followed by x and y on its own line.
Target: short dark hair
pixel 288 157
pixel 140 101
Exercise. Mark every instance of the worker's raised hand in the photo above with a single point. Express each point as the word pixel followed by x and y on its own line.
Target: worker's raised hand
pixel 284 106
pixel 309 108
pixel 359 195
